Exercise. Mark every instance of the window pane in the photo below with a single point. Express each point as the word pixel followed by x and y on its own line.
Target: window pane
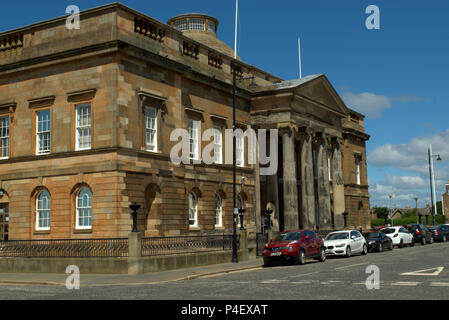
pixel 197 24
pixel 181 25
pixel 4 137
pixel 83 126
pixel 84 208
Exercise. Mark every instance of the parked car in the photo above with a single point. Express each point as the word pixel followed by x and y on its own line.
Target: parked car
pixel 440 233
pixel 420 233
pixel 376 229
pixel 400 236
pixel 294 246
pixel 378 241
pixel 345 243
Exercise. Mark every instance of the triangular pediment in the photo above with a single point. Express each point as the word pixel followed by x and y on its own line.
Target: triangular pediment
pixel 320 90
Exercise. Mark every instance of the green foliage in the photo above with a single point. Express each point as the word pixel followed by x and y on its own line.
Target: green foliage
pixel 381 212
pixel 407 220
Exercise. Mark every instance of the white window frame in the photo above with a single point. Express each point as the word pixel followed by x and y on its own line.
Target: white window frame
pixel 151 128
pixel 84 208
pixel 218 211
pixel 83 126
pixel 197 24
pixel 194 129
pixel 4 137
pixel 40 135
pixel 193 209
pixel 209 25
pixel 218 145
pixel 181 25
pixel 42 210
pixel 240 151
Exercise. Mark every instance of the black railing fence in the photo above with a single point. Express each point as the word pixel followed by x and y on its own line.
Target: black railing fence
pixel 157 246
pixel 65 248
pixel 261 241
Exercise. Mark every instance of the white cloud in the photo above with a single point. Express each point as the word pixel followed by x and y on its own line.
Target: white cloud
pixel 372 105
pixel 369 104
pixel 413 159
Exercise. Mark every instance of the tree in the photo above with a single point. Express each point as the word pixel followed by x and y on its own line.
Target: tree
pixel 439 208
pixel 381 212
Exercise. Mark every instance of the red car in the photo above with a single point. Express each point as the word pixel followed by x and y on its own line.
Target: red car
pixel 294 246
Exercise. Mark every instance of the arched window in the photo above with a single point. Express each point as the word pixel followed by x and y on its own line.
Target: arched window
pixel 218 211
pixel 193 210
pixel 84 209
pixel 43 211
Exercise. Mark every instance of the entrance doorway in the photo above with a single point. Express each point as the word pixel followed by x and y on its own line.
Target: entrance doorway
pixel 4 221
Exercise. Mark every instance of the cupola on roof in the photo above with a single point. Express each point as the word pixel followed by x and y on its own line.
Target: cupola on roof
pixel 202 28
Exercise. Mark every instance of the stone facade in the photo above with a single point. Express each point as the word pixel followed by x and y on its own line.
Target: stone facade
pixel 119 63
pixel 445 202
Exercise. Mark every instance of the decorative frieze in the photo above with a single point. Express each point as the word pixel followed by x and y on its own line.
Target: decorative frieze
pixel 149 29
pixel 215 60
pixel 11 42
pixel 190 50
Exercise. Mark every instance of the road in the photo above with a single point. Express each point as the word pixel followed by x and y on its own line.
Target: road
pixel 337 278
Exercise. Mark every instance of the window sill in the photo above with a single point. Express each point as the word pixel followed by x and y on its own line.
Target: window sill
pixel 193 228
pixel 41 232
pixel 78 231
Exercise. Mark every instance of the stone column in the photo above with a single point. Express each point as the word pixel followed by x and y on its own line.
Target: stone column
pixel 338 186
pixel 307 182
pixel 291 219
pixel 324 187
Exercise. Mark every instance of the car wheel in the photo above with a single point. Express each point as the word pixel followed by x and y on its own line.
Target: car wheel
pixel 379 247
pixel 365 250
pixel 423 242
pixel 412 244
pixel 401 244
pixel 267 264
pixel 322 257
pixel 348 252
pixel 390 247
pixel 301 257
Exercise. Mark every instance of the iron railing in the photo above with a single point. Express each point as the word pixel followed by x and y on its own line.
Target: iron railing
pixel 157 246
pixel 65 248
pixel 261 241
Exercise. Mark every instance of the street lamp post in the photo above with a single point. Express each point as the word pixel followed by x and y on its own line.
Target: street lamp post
pixel 391 212
pixel 432 182
pixel 345 218
pixel 242 214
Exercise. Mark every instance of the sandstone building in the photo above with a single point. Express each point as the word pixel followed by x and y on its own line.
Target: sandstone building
pixel 86 117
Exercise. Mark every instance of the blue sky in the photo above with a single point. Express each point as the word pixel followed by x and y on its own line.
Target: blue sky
pixel 397 75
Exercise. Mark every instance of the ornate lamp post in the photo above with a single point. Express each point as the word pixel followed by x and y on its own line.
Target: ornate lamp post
pixel 134 207
pixel 242 213
pixel 266 220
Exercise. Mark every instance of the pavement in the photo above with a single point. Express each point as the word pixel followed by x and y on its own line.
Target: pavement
pixel 123 279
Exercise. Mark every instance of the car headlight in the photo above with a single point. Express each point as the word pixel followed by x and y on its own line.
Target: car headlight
pixel 372 242
pixel 340 245
pixel 265 250
pixel 290 248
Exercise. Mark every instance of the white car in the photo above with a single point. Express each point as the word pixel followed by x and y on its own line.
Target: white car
pixel 345 243
pixel 401 236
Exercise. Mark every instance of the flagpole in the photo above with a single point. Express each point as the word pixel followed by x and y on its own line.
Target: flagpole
pixel 299 50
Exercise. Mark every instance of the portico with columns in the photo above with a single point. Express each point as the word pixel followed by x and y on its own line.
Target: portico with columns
pixel 307 192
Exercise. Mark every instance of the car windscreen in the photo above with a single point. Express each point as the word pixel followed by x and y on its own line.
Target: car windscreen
pixel 411 229
pixel 288 236
pixel 372 235
pixel 337 236
pixel 389 231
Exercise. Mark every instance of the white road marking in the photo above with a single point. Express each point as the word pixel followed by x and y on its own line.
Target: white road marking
pixel 352 265
pixel 439 284
pixel 304 274
pixel 426 272
pixel 274 281
pixel 399 283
